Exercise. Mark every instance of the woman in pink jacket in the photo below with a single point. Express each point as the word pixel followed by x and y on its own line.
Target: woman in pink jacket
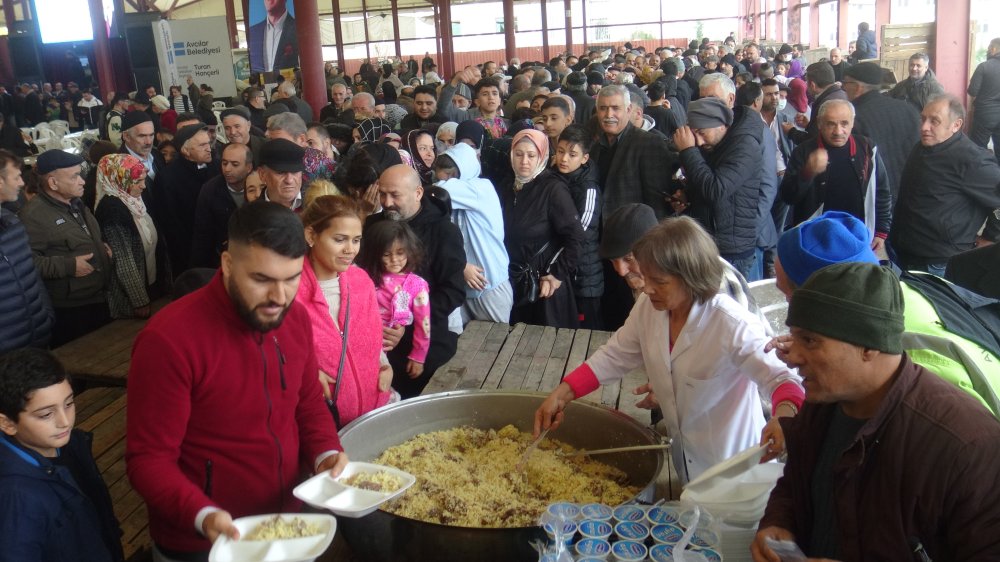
pixel 341 297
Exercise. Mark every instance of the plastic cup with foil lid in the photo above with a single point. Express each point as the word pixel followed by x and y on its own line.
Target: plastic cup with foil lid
pixel 662 553
pixel 567 531
pixel 629 512
pixel 591 529
pixel 666 534
pixel 705 538
pixel 597 511
pixel 710 554
pixel 593 548
pixel 663 515
pixel 632 531
pixel 566 510
pixel 629 551
pixel 590 559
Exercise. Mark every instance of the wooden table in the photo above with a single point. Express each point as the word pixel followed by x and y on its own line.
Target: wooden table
pixel 101 411
pixel 489 356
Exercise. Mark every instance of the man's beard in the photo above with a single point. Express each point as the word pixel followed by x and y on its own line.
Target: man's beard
pixel 393 214
pixel 249 315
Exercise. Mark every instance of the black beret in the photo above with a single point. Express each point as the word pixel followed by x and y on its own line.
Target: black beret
pixel 282 155
pixel 576 79
pixel 867 73
pixel 238 110
pixel 133 118
pixel 141 98
pixel 185 133
pixel 52 160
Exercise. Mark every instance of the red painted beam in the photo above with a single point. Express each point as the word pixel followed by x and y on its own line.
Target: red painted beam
pixel 102 51
pixel 509 41
pixel 339 38
pixel 951 45
pixel 568 7
pixel 234 42
pixel 310 53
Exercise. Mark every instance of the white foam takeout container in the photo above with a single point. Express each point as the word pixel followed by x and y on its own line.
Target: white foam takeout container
pixel 325 492
pixel 302 549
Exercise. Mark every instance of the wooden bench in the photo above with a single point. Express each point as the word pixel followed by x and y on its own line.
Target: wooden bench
pixel 101 411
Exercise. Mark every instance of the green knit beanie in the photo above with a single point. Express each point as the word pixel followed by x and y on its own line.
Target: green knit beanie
pixel 853 302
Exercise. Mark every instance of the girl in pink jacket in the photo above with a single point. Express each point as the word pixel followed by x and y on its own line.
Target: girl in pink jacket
pixel 339 296
pixel 390 255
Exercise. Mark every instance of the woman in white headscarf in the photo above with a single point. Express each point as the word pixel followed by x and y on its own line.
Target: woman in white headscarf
pixel 129 230
pixel 542 234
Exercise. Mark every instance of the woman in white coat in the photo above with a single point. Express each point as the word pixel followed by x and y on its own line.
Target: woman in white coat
pixel 703 352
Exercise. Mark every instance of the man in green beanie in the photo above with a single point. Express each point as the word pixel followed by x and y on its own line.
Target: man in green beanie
pixel 885 459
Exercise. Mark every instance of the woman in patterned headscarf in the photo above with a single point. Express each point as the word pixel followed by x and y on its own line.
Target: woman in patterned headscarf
pixel 541 231
pixel 420 145
pixel 129 230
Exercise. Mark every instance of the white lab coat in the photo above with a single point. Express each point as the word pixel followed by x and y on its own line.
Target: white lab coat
pixel 708 385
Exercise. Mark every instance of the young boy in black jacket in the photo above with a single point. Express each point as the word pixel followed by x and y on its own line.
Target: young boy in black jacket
pixel 572 163
pixel 54 505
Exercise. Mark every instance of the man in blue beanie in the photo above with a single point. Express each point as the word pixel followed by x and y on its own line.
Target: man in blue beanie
pixel 938 326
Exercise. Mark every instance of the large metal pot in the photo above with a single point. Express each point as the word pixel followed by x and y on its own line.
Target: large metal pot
pixel 384 537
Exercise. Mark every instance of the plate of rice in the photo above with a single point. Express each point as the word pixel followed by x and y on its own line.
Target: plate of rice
pixel 358 491
pixel 277 537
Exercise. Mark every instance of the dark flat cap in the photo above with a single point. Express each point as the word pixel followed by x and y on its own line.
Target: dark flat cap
pixel 624 228
pixel 52 160
pixel 595 78
pixel 133 118
pixel 185 133
pixel 867 73
pixel 708 113
pixel 141 98
pixel 729 59
pixel 576 79
pixel 464 91
pixel 239 110
pixel 785 49
pixel 552 85
pixel 471 130
pixel 282 155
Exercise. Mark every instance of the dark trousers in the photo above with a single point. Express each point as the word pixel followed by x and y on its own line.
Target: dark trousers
pixel 617 301
pixel 442 349
pixel 589 309
pixel 984 127
pixel 77 321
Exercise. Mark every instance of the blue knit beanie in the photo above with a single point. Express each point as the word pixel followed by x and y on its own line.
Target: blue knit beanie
pixel 833 237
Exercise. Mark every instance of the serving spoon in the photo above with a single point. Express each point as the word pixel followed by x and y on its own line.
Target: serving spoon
pixel 614 450
pixel 531 448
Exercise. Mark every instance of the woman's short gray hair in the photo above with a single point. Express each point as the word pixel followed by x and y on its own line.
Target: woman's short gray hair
pixel 679 246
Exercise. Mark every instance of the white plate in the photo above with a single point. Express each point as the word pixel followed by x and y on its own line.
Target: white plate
pixel 283 550
pixel 323 492
pixel 733 466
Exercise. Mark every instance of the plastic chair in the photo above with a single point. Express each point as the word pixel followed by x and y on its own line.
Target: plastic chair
pixel 59 127
pixel 218 105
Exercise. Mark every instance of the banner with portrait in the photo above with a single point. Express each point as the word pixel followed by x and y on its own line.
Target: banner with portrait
pixel 271 39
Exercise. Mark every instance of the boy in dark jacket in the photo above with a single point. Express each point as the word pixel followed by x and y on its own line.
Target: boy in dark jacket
pixel 572 163
pixel 54 505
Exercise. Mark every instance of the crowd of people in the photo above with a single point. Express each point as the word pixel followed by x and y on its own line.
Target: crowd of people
pixel 325 265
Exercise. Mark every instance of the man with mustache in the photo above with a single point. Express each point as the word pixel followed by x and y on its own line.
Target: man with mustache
pixel 225 409
pixel 839 171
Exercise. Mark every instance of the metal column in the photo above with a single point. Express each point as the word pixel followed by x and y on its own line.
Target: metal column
pixel 338 37
pixel 310 53
pixel 509 41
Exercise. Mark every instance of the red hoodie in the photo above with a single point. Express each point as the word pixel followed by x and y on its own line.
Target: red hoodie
pixel 221 415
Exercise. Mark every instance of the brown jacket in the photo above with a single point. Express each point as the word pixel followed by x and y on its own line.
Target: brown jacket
pixel 924 468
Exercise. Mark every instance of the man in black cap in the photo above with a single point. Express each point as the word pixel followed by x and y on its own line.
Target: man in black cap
pixel 892 124
pixel 281 171
pixel 885 457
pixel 68 248
pixel 721 159
pixel 595 81
pixel 236 124
pixel 177 189
pixel 576 88
pixel 217 201
pixel 138 135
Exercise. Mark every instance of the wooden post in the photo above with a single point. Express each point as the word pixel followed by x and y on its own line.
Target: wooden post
pixel 447 66
pixel 843 30
pixel 545 30
pixel 509 39
pixel 394 5
pixel 779 21
pixel 234 42
pixel 102 51
pixel 882 15
pixel 813 24
pixel 568 7
pixel 338 37
pixel 310 53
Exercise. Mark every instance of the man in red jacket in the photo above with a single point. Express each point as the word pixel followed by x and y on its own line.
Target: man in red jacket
pixel 225 408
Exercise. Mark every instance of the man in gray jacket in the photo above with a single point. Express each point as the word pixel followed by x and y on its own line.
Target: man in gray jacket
pixel 67 247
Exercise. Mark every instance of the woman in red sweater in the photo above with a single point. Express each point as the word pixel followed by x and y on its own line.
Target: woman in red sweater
pixel 340 297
